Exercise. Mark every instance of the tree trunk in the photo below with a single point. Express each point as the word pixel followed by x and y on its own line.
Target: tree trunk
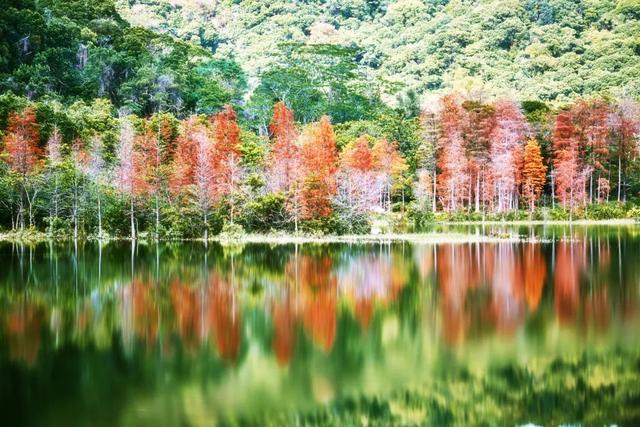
pixel 157 217
pixel 75 215
pixel 478 192
pixel 553 191
pixel 206 225
pixel 133 224
pixel 99 216
pixel 433 201
pixel 619 177
pixel 232 185
pixel 21 211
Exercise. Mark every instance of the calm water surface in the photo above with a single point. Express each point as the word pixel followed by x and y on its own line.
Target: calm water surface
pixel 544 331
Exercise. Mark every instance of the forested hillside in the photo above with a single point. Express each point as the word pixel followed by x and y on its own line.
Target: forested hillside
pixel 534 49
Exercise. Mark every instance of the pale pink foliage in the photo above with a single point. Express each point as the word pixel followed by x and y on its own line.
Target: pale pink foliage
pixel 507 141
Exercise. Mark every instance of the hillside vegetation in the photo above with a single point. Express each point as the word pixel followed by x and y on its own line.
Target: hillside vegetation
pixel 536 49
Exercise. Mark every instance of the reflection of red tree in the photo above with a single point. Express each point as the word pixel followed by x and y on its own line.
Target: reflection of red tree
pixel 319 295
pixel 535 271
pixel 372 279
pixel 224 318
pixel 597 308
pixel 187 311
pixel 457 272
pixel 144 311
pixel 364 312
pixel 569 263
pixel 284 338
pixel 506 285
pixel 23 328
pixel 423 256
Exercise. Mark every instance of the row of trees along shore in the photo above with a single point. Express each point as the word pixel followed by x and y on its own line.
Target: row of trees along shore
pixel 187 178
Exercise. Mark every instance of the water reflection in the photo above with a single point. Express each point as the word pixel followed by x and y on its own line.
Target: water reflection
pixel 315 322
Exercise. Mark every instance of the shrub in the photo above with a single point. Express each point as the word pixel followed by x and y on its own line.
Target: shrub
pixel 180 223
pixel 232 231
pixel 265 214
pixel 421 218
pixel 558 214
pixel 337 224
pixel 610 210
pixel 634 212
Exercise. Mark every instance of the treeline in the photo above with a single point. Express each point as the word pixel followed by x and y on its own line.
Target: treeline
pixel 82 171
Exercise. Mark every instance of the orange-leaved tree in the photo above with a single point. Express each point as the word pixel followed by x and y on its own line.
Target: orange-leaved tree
pixel 591 121
pixel 569 180
pixel 357 177
pixel 320 164
pixel 226 156
pixel 193 175
pixel 452 163
pixel 23 155
pixel 284 158
pixel 534 172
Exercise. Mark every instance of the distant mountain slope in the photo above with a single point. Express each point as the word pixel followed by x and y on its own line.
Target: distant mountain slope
pixel 546 49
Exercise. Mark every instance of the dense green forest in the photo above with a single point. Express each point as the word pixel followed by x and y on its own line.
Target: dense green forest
pixel 314 116
pixel 539 49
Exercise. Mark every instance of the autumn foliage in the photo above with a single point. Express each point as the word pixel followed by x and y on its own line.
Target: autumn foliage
pixel 534 173
pixel 21 142
pixel 319 163
pixel 465 155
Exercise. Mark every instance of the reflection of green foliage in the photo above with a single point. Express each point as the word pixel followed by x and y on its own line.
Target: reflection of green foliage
pixel 597 389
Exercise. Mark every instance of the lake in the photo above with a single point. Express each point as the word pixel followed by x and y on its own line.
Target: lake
pixel 542 331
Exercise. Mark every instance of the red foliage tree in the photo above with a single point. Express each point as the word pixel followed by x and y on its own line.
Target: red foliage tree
pixel 21 142
pixel 227 156
pixel 452 163
pixel 626 127
pixel 478 123
pixel 130 173
pixel 591 120
pixel 507 140
pixel 153 156
pixel 569 180
pixel 533 173
pixel 284 158
pixel 389 166
pixel 194 169
pixel 357 191
pixel 319 162
pixel 185 156
pixel 23 155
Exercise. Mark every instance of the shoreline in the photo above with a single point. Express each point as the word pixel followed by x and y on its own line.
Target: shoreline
pixel 582 222
pixel 431 236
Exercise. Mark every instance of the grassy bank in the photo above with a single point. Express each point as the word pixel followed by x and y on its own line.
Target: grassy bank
pixel 434 232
